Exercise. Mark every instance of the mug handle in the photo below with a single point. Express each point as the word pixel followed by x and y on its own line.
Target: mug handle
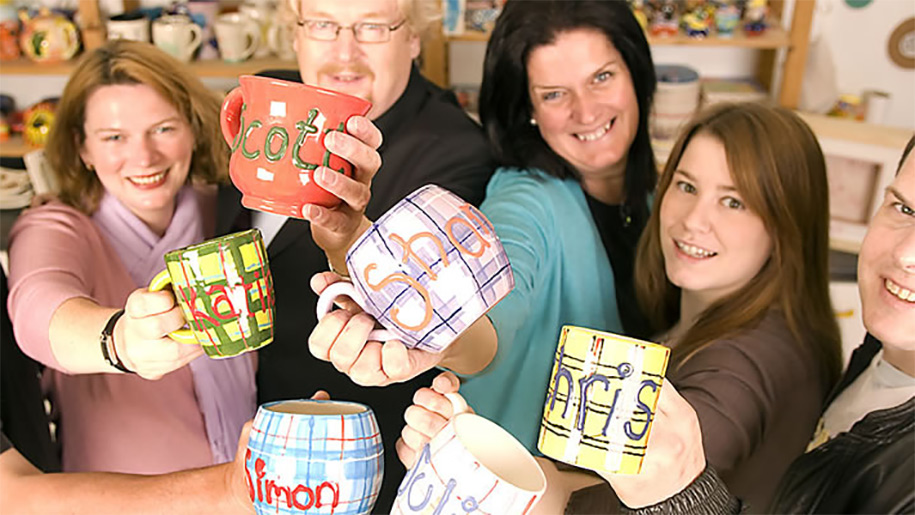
pixel 196 40
pixel 253 32
pixel 230 115
pixel 184 335
pixel 458 404
pixel 326 301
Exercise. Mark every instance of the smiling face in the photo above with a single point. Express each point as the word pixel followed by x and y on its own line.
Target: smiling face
pixel 712 243
pixel 377 72
pixel 140 147
pixel 584 102
pixel 886 266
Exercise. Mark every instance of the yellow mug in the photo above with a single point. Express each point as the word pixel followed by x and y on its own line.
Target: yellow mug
pixel 601 400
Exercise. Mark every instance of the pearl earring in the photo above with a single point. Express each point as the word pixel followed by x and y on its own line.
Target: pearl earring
pixel 533 121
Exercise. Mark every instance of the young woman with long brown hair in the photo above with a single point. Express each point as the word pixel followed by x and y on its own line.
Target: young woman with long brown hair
pixel 732 271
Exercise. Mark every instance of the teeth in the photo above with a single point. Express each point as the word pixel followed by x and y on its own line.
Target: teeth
pixel 694 251
pixel 900 292
pixel 147 179
pixel 596 134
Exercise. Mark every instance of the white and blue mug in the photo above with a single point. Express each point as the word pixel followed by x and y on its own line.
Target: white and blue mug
pixel 309 456
pixel 426 270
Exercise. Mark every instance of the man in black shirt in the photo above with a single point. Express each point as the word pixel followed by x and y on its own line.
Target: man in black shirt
pixel 365 48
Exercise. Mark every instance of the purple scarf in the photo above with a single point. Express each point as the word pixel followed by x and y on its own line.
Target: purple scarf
pixel 225 388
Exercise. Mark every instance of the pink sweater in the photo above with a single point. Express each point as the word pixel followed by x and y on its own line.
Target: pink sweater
pixel 111 422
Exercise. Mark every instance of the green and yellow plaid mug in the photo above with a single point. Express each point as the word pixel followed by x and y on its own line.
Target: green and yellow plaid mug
pixel 225 291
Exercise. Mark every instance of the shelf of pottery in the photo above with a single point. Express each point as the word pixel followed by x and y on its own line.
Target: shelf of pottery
pixel 695 24
pixel 256 35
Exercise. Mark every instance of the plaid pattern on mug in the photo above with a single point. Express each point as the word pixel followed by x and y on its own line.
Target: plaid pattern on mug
pixel 321 463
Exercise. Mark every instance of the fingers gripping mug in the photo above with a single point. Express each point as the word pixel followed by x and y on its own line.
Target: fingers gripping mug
pixel 307 456
pixel 225 291
pixel 471 466
pixel 601 400
pixel 276 130
pixel 426 270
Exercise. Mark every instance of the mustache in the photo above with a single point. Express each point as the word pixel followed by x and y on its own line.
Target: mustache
pixel 355 68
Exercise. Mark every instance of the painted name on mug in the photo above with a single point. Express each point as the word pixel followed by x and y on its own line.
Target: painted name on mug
pixel 222 301
pixel 417 490
pixel 274 142
pixel 584 385
pixel 472 217
pixel 301 497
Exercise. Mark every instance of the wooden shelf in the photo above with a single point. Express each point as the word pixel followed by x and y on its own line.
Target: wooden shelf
pixel 15 147
pixel 774 37
pixel 210 68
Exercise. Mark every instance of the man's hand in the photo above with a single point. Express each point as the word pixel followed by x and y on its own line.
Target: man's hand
pixel 335 229
pixel 341 338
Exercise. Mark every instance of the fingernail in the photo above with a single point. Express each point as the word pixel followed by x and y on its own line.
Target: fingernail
pixel 326 176
pixel 309 212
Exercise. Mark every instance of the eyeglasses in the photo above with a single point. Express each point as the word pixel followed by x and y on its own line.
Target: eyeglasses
pixel 364 32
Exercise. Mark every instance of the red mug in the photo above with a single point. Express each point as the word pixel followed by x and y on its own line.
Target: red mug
pixel 276 130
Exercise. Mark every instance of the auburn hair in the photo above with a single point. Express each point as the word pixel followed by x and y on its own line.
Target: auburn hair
pixel 123 62
pixel 778 168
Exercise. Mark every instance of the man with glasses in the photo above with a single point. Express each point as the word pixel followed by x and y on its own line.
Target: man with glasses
pixel 364 48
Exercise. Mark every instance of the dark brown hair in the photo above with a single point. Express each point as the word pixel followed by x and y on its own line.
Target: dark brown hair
pixel 130 62
pixel 778 168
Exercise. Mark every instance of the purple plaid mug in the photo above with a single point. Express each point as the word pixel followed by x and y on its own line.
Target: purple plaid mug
pixel 426 270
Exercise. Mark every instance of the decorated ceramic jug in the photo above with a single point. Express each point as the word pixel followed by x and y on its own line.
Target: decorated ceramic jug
pixel 48 37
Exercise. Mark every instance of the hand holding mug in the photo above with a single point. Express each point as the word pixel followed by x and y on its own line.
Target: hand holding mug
pixel 674 459
pixel 335 229
pixel 344 338
pixel 141 335
pixel 432 408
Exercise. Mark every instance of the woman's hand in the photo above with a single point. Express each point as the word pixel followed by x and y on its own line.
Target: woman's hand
pixel 341 337
pixel 674 458
pixel 335 229
pixel 141 335
pixel 430 411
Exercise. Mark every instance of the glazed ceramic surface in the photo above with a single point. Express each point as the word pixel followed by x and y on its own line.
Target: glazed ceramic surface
pixel 276 130
pixel 427 269
pixel 314 457
pixel 48 37
pixel 225 290
pixel 471 466
pixel 601 400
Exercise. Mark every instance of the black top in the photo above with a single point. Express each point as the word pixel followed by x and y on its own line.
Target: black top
pixel 22 413
pixel 427 139
pixel 620 228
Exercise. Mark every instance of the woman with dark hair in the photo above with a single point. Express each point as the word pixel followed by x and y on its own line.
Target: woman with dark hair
pixel 566 92
pixel 136 149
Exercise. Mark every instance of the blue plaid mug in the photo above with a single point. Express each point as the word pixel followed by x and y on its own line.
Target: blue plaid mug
pixel 426 270
pixel 314 456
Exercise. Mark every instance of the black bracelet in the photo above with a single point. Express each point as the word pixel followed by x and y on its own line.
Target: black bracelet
pixel 109 351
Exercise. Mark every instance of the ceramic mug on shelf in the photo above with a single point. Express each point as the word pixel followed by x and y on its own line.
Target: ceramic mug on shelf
pixel 601 400
pixel 426 270
pixel 276 131
pixel 238 37
pixel 225 291
pixel 133 26
pixel 308 456
pixel 471 466
pixel 177 35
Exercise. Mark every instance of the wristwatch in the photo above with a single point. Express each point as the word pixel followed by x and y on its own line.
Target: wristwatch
pixel 106 339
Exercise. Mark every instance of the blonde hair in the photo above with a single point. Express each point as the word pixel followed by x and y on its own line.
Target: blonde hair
pixel 780 172
pixel 129 62
pixel 420 14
